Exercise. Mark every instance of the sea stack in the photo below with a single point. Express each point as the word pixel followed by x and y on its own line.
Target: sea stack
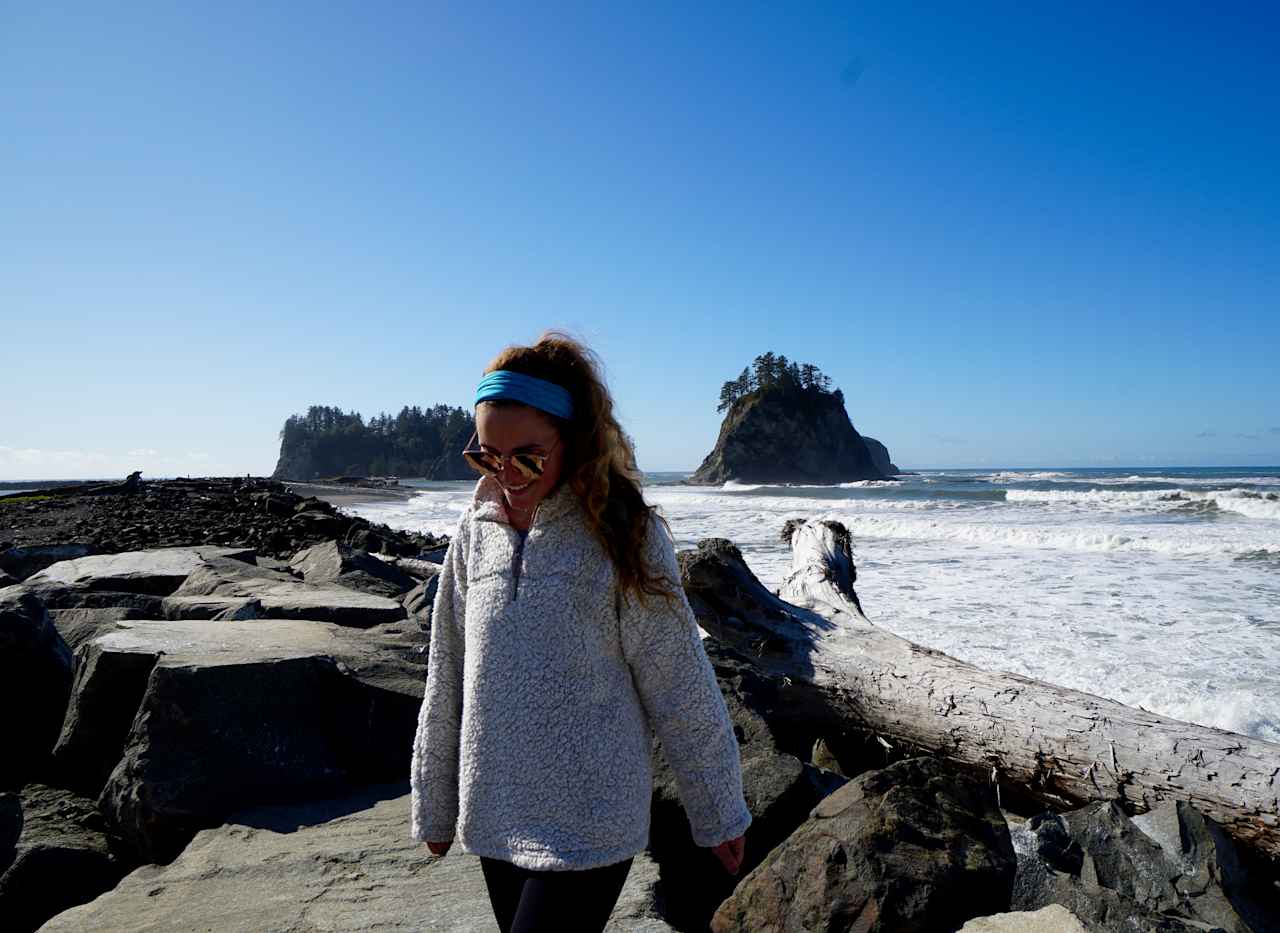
pixel 785 425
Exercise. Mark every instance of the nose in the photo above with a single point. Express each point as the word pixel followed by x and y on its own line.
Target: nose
pixel 511 476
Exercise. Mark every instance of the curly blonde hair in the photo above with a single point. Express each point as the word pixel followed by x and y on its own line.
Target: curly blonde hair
pixel 599 458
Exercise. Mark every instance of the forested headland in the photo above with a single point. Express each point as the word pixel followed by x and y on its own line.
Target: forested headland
pixel 418 442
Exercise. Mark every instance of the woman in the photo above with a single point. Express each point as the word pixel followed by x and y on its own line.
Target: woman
pixel 560 640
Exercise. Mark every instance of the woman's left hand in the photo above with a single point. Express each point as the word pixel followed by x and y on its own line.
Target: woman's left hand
pixel 730 853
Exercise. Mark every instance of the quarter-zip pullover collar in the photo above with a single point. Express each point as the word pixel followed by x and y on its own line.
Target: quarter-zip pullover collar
pixel 489 505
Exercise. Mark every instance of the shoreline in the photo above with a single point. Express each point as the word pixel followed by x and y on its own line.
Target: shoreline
pixel 348 496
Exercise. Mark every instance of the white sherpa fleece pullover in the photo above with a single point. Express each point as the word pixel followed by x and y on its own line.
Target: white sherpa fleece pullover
pixel 544 687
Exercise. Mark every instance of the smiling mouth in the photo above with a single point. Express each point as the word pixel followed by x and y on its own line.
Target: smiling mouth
pixel 517 488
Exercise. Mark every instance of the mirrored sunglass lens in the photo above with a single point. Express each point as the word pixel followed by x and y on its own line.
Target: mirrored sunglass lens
pixel 483 461
pixel 528 464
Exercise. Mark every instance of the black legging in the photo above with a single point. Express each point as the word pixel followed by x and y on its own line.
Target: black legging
pixel 528 901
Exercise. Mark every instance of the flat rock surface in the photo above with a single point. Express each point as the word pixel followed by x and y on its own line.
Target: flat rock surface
pixel 157 571
pixel 336 865
pixel 386 656
pixel 217 585
pixel 1052 919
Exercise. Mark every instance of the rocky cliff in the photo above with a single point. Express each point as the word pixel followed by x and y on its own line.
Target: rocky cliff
pixel 773 435
pixel 880 456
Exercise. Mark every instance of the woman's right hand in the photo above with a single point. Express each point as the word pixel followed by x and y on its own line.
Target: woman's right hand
pixel 439 848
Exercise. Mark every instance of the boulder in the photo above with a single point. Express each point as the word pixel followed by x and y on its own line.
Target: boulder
pixel 218 585
pixel 35 683
pixel 312 523
pixel 910 847
pixel 346 863
pixel 155 572
pixel 779 788
pixel 420 601
pixel 1171 869
pixel 10 826
pixel 1051 919
pixel 6 580
pixel 335 563
pixel 21 561
pixel 229 714
pixel 1209 872
pixel 105 696
pixel 65 856
pixel 76 626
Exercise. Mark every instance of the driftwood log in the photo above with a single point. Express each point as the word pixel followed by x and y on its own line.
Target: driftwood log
pixel 1064 748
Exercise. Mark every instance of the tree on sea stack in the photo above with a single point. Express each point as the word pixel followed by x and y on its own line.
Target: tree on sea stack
pixel 785 424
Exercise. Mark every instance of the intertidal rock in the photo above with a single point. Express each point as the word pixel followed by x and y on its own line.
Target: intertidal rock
pixel 155 572
pixel 22 562
pixel 332 562
pixel 35 683
pixel 76 626
pixel 10 826
pixel 420 601
pixel 65 856
pixel 1051 919
pixel 910 847
pixel 1171 869
pixel 780 790
pixel 217 585
pixel 230 714
pixel 232 511
pixel 345 863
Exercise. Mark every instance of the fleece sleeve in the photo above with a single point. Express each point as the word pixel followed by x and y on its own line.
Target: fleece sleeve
pixel 678 689
pixel 434 772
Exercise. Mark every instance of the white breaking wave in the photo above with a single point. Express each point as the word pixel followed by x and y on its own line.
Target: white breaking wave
pixel 1242 501
pixel 1134 479
pixel 1052 537
pixel 1252 504
pixel 1019 477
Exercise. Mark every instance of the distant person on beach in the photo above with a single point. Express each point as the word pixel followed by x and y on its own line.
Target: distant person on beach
pixel 561 639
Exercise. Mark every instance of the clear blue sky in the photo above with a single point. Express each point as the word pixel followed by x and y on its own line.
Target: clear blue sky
pixel 1013 234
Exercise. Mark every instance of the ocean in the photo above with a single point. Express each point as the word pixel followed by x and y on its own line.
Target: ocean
pixel 1159 588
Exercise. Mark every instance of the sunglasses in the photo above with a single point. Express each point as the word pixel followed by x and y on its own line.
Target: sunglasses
pixel 528 465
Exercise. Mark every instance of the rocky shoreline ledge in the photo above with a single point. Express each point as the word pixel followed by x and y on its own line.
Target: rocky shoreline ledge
pixel 272 517
pixel 212 710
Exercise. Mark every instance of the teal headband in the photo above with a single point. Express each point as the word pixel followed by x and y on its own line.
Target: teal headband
pixel 503 383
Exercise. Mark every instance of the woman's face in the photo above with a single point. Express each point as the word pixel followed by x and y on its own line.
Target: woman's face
pixel 513 429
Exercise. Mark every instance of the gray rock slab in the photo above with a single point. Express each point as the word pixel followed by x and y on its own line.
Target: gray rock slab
pixel 10 826
pixel 1052 919
pixel 910 847
pixel 180 722
pixel 76 626
pixel 35 684
pixel 419 602
pixel 156 572
pixel 216 586
pixel 333 562
pixel 64 857
pixel 343 864
pixel 1171 869
pixel 21 561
